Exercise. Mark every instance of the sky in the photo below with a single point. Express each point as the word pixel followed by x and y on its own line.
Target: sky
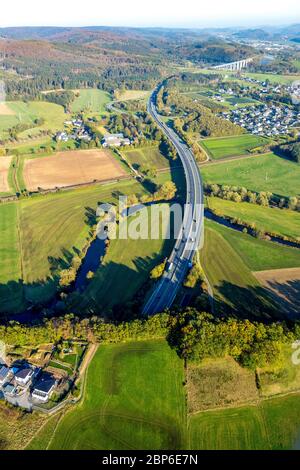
pixel 174 13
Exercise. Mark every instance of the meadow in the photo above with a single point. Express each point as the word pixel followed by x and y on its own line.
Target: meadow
pixel 90 100
pixel 147 156
pixel 232 146
pixel 17 427
pixel 218 383
pixel 232 282
pixel 114 414
pixel 125 95
pixel 273 78
pixel 126 266
pixel 229 257
pixel 271 425
pixel 26 113
pixel 258 255
pixel 262 173
pixel 45 232
pixel 280 221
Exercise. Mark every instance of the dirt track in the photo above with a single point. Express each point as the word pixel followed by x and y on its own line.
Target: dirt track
pixel 4 169
pixel 284 286
pixel 70 168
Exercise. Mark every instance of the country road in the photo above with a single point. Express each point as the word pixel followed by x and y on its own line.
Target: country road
pixel 191 230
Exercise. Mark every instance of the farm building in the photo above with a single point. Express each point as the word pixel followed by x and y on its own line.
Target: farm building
pixel 114 140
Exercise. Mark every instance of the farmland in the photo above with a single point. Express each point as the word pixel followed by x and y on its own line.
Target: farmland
pixel 125 95
pixel 232 146
pixel 282 221
pixel 26 113
pixel 263 173
pixel 229 259
pixel 50 228
pixel 90 101
pixel 114 414
pixel 126 266
pixel 147 156
pixel 5 163
pixel 69 168
pixel 258 255
pixel 272 424
pixel 284 284
pixel 228 275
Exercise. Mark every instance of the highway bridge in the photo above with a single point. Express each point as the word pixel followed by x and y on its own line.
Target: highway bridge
pixel 191 230
pixel 238 65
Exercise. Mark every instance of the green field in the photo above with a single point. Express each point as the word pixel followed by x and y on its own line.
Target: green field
pixel 228 259
pixel 26 113
pixel 263 173
pixel 231 280
pixel 90 100
pixel 147 156
pixel 126 267
pixel 258 255
pixel 273 78
pixel 273 425
pixel 134 399
pixel 52 227
pixel 232 146
pixel 280 221
pixel 114 414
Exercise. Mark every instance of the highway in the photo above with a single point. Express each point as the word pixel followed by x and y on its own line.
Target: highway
pixel 191 230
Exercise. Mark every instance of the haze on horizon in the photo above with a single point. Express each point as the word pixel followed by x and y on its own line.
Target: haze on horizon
pixel 156 13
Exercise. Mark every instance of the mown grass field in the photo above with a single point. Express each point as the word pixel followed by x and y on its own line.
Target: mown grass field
pixel 26 113
pixel 134 399
pixel 281 221
pixel 126 265
pixel 228 259
pixel 147 156
pixel 271 425
pixel 231 280
pixel 232 146
pixel 9 243
pixel 125 95
pixel 90 100
pixel 263 173
pixel 114 414
pixel 258 255
pixel 273 78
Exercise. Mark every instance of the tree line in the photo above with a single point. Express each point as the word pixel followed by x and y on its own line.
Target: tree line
pixel 195 335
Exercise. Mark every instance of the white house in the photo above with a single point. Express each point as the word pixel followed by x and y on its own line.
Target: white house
pixel 44 388
pixel 24 375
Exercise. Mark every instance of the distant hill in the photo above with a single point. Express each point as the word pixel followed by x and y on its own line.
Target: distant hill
pixel 259 34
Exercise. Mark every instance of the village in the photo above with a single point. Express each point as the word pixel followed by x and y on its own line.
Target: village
pixel 266 120
pixel 77 130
